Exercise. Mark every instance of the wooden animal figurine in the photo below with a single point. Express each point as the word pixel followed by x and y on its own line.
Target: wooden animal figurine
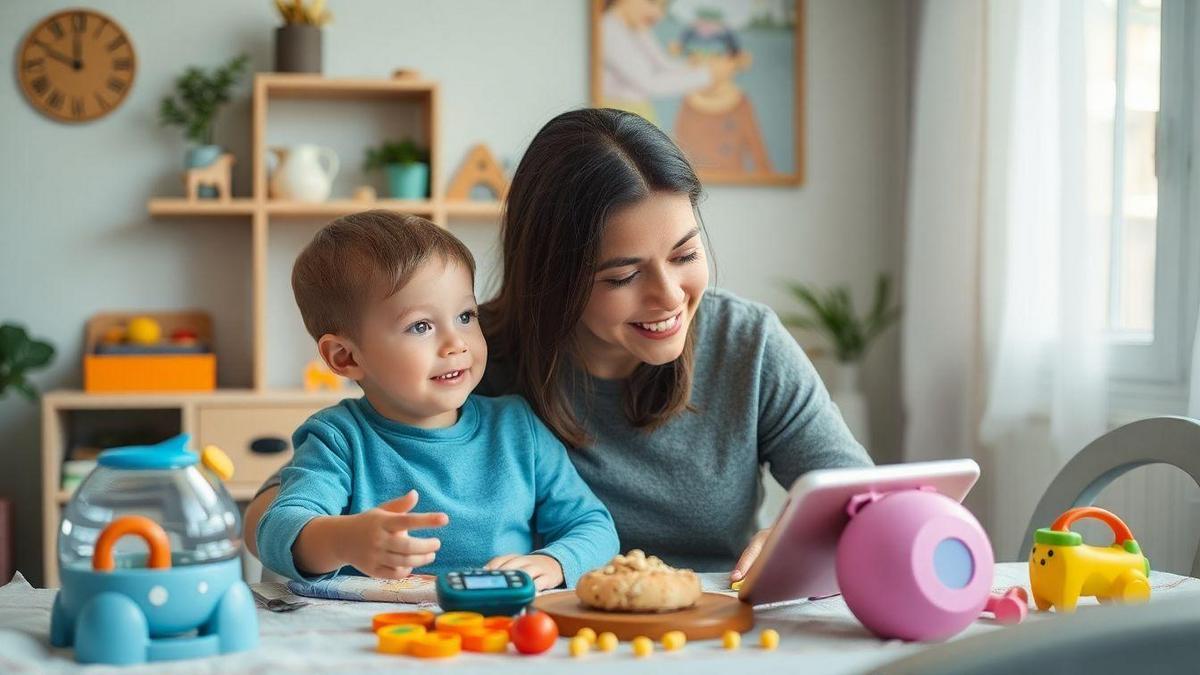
pixel 318 375
pixel 216 174
pixel 479 168
pixel 1062 568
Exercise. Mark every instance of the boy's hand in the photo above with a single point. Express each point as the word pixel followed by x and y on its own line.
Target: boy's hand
pixel 546 571
pixel 378 544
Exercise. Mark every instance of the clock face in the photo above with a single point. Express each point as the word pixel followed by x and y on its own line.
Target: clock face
pixel 76 65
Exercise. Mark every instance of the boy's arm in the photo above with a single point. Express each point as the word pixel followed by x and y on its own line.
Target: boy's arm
pixel 315 485
pixel 576 527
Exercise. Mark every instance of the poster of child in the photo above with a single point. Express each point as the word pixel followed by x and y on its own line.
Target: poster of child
pixel 721 76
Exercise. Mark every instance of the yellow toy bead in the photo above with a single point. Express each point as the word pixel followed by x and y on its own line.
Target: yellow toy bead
pixel 607 641
pixel 674 640
pixel 642 646
pixel 737 585
pixel 731 639
pixel 769 639
pixel 578 646
pixel 587 634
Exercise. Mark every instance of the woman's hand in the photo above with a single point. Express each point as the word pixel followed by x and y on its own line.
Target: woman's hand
pixel 545 571
pixel 749 555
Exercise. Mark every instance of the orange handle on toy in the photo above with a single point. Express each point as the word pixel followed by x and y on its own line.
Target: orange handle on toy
pixel 152 532
pixel 1119 529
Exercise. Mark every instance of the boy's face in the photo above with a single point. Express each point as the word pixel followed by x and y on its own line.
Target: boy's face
pixel 420 352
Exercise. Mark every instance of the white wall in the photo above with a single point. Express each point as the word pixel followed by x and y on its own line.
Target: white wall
pixel 75 238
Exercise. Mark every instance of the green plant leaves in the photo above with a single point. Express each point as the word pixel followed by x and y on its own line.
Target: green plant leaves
pixel 18 354
pixel 393 152
pixel 197 98
pixel 832 314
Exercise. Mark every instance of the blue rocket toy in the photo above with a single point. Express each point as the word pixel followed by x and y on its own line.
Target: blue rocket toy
pixel 149 555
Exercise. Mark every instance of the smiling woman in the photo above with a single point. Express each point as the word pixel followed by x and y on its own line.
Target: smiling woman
pixel 671 396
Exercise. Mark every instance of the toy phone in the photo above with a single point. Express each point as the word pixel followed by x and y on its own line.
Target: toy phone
pixel 799 557
pixel 488 592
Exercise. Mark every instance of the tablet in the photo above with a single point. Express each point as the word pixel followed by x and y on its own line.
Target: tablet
pixel 797 560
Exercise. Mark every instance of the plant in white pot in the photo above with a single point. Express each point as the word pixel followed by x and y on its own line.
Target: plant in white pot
pixel 406 166
pixel 831 313
pixel 198 96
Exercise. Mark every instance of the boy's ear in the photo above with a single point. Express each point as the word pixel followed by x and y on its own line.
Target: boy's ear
pixel 339 354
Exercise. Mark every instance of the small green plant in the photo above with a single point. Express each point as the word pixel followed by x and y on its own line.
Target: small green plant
pixel 393 152
pixel 20 354
pixel 197 98
pixel 296 12
pixel 832 314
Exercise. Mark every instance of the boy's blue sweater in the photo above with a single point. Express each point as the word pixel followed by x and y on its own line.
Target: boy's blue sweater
pixel 503 478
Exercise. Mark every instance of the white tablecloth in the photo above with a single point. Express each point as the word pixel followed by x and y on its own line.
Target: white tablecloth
pixel 819 636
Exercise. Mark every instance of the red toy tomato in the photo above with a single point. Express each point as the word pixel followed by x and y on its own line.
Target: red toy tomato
pixel 533 632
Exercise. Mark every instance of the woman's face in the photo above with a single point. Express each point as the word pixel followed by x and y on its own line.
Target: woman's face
pixel 651 274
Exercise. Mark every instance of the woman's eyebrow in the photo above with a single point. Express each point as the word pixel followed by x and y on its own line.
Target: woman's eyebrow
pixel 622 262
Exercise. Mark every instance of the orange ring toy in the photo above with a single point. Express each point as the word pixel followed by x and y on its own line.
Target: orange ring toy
pixel 150 531
pixel 395 639
pixel 485 640
pixel 457 622
pixel 498 623
pixel 436 645
pixel 420 618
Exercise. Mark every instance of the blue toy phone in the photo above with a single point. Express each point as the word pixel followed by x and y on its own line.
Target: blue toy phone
pixel 489 592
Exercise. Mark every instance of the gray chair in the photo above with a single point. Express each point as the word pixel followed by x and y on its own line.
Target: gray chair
pixel 1157 440
pixel 1159 637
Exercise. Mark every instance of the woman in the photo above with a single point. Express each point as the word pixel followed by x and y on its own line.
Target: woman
pixel 670 394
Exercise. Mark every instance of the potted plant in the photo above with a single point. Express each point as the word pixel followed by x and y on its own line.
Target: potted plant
pixel 194 105
pixel 832 314
pixel 20 354
pixel 406 165
pixel 298 40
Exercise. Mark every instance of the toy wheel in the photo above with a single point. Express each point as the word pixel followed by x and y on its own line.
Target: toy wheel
pixel 1135 587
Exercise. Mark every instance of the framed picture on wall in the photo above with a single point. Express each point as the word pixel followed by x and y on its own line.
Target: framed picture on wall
pixel 725 78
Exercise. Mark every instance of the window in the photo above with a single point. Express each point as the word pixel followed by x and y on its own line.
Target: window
pixel 1139 142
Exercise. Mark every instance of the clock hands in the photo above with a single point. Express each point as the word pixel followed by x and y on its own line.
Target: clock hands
pixel 77 50
pixel 57 55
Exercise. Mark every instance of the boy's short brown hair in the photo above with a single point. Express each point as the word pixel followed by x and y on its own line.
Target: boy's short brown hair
pixel 361 256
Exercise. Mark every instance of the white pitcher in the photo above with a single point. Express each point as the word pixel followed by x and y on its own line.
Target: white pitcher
pixel 299 174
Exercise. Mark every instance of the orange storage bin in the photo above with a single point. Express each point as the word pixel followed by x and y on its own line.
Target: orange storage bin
pixel 107 373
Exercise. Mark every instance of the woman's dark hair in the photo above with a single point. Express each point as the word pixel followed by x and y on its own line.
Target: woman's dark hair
pixel 581 169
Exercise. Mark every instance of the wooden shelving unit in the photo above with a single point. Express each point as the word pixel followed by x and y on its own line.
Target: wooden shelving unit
pixel 233 418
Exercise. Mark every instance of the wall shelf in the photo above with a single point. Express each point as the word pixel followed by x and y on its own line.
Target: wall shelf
pixel 235 419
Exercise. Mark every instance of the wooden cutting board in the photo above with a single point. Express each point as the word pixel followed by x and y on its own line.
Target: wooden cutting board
pixel 711 616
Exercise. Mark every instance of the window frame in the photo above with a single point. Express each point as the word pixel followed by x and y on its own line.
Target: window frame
pixel 1152 378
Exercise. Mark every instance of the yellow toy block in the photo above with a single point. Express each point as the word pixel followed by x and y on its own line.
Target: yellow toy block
pixel 318 375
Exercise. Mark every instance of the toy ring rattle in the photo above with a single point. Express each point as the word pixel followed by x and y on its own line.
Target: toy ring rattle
pixel 150 531
pixel 1062 568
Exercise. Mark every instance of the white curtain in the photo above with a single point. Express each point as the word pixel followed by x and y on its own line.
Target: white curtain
pixel 1003 355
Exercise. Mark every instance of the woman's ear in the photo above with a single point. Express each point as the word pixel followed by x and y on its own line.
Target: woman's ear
pixel 339 354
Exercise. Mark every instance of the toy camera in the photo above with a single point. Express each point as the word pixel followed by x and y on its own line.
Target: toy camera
pixel 1062 568
pixel 916 565
pixel 149 551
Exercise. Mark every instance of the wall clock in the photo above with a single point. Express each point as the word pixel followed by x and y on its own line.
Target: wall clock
pixel 76 65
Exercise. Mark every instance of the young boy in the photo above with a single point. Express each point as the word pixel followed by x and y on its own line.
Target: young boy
pixel 389 299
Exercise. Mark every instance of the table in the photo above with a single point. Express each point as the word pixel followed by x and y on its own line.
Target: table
pixel 329 636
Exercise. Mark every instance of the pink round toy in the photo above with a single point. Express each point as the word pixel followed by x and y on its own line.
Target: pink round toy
pixel 914 564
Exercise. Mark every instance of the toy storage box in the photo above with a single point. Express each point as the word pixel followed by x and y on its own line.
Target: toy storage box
pixel 149 372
